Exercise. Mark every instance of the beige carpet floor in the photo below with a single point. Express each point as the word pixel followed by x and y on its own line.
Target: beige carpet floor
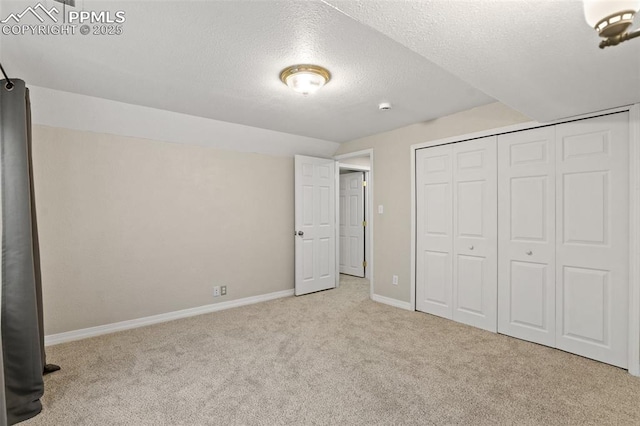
pixel 333 357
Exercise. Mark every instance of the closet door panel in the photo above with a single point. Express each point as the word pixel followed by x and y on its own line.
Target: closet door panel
pixel 434 231
pixel 592 237
pixel 475 233
pixel 526 235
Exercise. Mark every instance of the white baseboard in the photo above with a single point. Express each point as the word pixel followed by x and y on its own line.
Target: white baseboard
pixel 392 302
pixel 84 333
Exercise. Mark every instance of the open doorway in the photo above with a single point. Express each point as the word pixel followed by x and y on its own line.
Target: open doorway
pixel 352 221
pixel 354 234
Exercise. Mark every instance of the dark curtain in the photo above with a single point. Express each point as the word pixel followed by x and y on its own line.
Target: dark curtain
pixel 21 309
pixel 3 406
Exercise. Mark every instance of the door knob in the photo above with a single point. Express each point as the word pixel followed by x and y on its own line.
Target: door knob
pixel 471 248
pixel 529 253
pixel 301 233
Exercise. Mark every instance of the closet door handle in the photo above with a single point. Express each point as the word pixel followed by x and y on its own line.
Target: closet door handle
pixel 529 253
pixel 471 248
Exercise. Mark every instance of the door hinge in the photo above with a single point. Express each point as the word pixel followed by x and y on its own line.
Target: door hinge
pixel 364 183
pixel 364 263
pixel 364 223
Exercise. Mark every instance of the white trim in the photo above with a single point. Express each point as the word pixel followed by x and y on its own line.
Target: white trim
pixel 392 302
pixel 634 211
pixel 370 219
pixel 337 221
pixel 412 293
pixel 368 253
pixel 634 240
pixel 84 333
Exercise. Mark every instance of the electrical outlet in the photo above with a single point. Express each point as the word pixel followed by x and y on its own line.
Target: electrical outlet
pixel 216 291
pixel 223 290
pixel 395 280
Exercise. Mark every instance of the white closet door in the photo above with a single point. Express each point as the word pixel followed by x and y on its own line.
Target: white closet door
pixel 434 228
pixel 526 234
pixel 475 233
pixel 592 237
pixel 352 224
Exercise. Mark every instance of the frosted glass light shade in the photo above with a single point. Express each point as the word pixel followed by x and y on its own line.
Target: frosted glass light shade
pixel 305 82
pixel 305 79
pixel 597 10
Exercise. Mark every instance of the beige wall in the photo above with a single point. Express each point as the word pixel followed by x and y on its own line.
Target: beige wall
pixel 392 174
pixel 133 227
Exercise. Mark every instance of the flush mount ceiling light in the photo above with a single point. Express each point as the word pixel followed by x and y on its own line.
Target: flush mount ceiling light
pixel 611 19
pixel 305 79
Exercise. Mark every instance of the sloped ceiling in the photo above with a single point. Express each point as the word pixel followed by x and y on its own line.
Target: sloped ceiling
pixel 537 56
pixel 221 60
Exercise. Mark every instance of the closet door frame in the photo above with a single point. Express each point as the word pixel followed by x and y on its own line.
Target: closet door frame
pixel 634 211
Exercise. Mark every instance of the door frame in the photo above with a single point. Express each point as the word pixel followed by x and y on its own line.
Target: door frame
pixel 634 210
pixel 369 270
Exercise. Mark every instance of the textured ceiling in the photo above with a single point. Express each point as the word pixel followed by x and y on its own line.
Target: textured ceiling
pixel 429 58
pixel 221 60
pixel 537 56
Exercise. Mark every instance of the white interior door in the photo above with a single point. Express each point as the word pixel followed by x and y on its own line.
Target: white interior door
pixel 526 234
pixel 475 233
pixel 592 237
pixel 315 230
pixel 434 241
pixel 352 224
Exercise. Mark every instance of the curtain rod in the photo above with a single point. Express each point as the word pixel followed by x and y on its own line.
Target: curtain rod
pixel 9 84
